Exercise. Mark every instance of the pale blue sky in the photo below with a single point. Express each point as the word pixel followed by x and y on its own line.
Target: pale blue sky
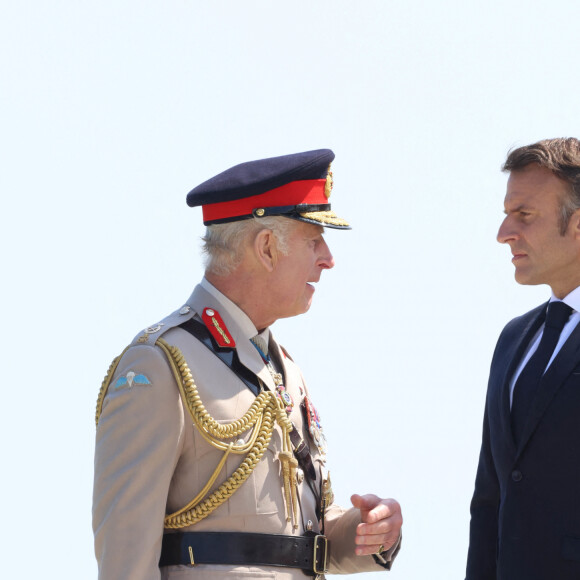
pixel 111 112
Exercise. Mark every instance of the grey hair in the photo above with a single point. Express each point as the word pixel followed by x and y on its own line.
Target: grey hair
pixel 224 244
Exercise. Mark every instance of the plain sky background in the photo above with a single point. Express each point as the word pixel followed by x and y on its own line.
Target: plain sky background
pixel 111 111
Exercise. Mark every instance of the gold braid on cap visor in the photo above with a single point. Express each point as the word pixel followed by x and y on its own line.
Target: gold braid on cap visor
pixel 265 411
pixel 325 217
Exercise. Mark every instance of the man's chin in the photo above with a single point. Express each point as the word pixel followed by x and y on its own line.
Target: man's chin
pixel 304 309
pixel 297 311
pixel 525 279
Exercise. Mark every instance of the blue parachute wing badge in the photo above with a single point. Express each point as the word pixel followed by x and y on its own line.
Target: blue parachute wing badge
pixel 141 380
pixel 130 379
pixel 121 382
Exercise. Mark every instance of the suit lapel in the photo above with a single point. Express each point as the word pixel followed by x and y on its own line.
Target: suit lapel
pixel 561 367
pixel 512 356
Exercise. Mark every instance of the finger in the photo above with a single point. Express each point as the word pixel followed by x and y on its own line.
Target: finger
pixel 365 503
pixel 369 550
pixel 365 545
pixel 387 538
pixel 380 528
pixel 384 532
pixel 374 509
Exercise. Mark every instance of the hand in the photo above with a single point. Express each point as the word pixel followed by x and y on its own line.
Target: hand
pixel 381 523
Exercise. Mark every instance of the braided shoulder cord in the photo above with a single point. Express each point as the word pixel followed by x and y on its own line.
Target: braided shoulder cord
pixel 261 416
pixel 265 411
pixel 105 385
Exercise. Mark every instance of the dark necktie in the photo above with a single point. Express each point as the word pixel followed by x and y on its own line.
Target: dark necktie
pixel 528 382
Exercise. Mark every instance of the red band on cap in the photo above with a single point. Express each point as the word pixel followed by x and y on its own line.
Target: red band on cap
pixel 310 191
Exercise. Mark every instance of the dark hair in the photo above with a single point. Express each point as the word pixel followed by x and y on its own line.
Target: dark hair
pixel 562 157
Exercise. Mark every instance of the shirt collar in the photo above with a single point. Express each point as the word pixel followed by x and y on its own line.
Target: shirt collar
pixel 572 299
pixel 234 311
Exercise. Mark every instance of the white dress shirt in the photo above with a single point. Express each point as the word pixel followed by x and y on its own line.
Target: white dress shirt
pixel 572 300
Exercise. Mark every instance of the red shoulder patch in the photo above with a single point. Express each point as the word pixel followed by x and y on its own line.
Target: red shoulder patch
pixel 217 328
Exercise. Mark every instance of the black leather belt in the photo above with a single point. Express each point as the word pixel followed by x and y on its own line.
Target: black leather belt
pixel 309 553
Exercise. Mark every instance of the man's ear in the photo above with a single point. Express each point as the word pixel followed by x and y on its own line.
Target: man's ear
pixel 574 224
pixel 266 250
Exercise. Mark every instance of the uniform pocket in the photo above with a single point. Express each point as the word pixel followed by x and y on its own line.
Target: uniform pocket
pixel 262 492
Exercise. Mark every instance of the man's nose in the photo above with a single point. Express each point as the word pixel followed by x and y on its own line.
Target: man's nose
pixel 326 259
pixel 507 231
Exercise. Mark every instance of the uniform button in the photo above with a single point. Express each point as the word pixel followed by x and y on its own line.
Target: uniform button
pixel 299 475
pixel 517 475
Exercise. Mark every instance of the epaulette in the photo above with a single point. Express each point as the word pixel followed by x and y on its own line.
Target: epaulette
pixel 150 334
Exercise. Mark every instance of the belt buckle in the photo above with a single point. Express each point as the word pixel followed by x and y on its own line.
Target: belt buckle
pixel 320 544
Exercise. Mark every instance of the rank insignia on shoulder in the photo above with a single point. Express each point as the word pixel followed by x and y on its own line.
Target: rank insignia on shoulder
pixel 155 328
pixel 130 379
pixel 217 328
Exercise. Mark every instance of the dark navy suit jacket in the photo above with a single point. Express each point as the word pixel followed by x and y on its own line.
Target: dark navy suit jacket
pixel 525 511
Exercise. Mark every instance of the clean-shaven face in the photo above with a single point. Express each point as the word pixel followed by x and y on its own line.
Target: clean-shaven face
pixel 296 272
pixel 541 254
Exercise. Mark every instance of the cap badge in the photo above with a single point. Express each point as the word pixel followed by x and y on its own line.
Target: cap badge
pixel 329 183
pixel 217 328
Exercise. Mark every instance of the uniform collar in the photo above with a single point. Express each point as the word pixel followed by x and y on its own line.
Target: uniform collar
pixel 234 311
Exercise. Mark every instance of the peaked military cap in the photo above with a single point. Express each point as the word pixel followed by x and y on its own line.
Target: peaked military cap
pixel 296 186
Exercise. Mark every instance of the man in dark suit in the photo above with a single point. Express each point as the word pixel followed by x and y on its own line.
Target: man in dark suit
pixel 525 511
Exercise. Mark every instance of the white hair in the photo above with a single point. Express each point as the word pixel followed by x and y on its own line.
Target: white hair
pixel 224 244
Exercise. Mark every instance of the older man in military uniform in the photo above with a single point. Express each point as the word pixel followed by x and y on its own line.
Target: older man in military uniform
pixel 210 458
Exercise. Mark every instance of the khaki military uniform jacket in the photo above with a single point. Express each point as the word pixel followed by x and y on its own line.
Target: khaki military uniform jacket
pixel 151 460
